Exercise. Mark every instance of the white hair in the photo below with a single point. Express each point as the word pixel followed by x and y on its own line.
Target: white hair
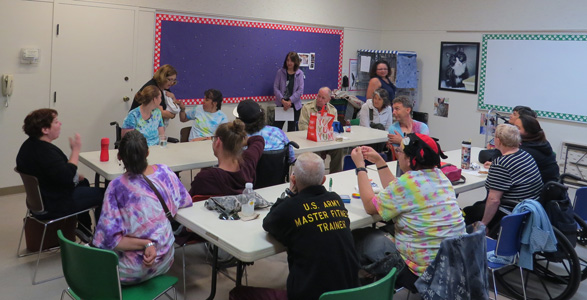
pixel 309 170
pixel 508 135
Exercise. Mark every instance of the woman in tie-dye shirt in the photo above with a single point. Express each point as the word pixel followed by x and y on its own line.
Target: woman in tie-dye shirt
pixel 421 202
pixel 133 221
pixel 206 118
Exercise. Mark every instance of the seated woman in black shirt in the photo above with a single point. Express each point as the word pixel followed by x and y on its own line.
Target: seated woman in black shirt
pixel 63 189
pixel 534 142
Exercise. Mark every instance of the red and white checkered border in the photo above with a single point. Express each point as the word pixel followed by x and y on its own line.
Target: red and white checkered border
pixel 226 22
pixel 239 99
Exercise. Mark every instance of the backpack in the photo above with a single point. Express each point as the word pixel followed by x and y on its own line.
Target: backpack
pixel 555 200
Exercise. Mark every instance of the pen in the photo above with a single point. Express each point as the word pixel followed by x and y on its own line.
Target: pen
pixel 330 185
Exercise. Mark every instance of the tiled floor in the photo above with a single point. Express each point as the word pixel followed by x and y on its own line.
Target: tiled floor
pixel 15 273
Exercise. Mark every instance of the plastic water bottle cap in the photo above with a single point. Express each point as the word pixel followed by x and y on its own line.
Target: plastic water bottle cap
pixel 249 185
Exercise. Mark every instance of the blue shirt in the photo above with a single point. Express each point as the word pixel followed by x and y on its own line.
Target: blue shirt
pixel 417 127
pixel 275 139
pixel 149 128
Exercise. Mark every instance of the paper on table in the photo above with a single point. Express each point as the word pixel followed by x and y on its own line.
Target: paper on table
pixel 365 63
pixel 284 115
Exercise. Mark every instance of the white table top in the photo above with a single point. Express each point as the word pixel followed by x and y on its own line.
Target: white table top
pixel 177 156
pixel 196 155
pixel 359 135
pixel 248 242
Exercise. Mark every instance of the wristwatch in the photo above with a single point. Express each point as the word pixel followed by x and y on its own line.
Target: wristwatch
pixel 149 245
pixel 357 170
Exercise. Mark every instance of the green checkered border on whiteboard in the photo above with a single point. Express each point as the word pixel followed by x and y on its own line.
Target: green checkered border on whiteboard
pixel 543 37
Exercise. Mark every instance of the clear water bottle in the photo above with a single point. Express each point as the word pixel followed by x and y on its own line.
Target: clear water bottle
pixel 248 208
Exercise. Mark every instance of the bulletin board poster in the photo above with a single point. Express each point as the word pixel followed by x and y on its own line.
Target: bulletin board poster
pixel 241 58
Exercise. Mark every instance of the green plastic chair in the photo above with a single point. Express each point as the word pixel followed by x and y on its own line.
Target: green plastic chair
pixel 382 289
pixel 92 273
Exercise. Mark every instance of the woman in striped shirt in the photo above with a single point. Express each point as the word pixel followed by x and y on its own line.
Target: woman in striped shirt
pixel 513 176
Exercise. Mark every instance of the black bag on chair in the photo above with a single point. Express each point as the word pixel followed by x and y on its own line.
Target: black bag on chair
pixel 379 147
pixel 555 200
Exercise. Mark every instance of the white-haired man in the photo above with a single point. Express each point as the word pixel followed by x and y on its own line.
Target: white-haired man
pixel 314 226
pixel 316 106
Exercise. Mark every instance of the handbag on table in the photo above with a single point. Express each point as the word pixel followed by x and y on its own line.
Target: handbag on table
pixel 320 126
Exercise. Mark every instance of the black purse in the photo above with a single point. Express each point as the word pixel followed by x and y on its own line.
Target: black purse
pixel 375 125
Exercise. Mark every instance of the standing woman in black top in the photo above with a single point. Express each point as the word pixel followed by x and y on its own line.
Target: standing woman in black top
pixel 380 78
pixel 164 79
pixel 63 189
pixel 288 89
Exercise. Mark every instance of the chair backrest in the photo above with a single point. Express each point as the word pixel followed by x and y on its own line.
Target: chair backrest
pixel 382 289
pixel 34 201
pixel 348 163
pixel 420 116
pixel 184 134
pixel 273 167
pixel 91 273
pixel 198 198
pixel 508 243
pixel 580 203
pixel 118 133
pixel 459 270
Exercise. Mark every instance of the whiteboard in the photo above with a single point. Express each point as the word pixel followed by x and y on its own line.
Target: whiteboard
pixel 545 72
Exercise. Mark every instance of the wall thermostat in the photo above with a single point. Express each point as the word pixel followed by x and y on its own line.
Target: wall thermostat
pixel 29 55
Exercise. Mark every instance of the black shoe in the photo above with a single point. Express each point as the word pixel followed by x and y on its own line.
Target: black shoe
pixel 83 235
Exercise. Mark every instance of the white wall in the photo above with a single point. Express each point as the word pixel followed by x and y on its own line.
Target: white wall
pixel 24 24
pixel 31 24
pixel 420 26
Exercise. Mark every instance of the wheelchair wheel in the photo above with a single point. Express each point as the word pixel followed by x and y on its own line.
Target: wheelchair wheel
pixel 555 276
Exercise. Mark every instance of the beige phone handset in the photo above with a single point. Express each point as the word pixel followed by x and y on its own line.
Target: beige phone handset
pixel 7 84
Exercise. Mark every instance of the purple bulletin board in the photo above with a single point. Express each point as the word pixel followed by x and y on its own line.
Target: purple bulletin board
pixel 241 58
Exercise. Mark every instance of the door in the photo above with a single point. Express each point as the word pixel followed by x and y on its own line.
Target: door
pixel 92 71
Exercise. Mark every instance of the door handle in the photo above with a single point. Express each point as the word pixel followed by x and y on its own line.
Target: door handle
pixel 125 98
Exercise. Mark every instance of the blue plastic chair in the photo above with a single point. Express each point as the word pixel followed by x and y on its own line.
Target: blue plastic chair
pixel 580 203
pixel 507 244
pixel 348 163
pixel 580 210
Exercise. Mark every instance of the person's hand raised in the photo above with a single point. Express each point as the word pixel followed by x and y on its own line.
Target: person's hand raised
pixel 75 142
pixel 357 156
pixel 371 155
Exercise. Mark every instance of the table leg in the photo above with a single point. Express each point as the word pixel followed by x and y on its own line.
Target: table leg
pixel 214 272
pixel 239 273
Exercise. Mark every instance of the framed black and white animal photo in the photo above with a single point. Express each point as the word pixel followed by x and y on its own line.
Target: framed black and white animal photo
pixel 459 67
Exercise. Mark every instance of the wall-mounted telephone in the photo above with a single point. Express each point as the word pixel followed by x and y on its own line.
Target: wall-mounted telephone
pixel 7 85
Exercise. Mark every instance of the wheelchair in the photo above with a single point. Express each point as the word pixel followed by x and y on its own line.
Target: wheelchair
pixel 556 275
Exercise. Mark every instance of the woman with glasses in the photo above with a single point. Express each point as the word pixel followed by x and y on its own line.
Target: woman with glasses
pixel 133 221
pixel 288 88
pixel 380 74
pixel 421 202
pixel 164 78
pixel 147 117
pixel 236 165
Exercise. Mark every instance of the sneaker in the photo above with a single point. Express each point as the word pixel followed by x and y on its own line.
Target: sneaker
pixel 83 235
